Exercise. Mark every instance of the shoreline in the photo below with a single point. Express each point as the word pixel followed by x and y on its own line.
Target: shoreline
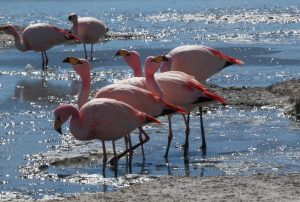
pixel 257 187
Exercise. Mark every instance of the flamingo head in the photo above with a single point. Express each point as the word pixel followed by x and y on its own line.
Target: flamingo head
pixel 8 29
pixel 62 114
pixel 73 18
pixel 133 59
pixel 80 65
pixel 152 64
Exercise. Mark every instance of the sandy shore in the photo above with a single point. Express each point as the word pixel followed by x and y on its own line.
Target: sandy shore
pixel 229 188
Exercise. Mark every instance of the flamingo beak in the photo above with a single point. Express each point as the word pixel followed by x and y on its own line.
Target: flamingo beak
pixel 160 58
pixel 123 52
pixel 57 125
pixel 72 60
pixel 70 18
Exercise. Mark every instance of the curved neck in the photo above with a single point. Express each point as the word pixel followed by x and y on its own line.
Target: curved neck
pixel 76 128
pixel 83 96
pixel 75 27
pixel 138 71
pixel 134 62
pixel 19 42
pixel 153 86
pixel 166 66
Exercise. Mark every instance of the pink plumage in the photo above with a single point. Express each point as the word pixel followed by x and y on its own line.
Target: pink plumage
pixel 199 61
pixel 38 37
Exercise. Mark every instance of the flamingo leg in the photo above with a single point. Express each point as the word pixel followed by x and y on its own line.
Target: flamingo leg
pixel 104 160
pixel 43 63
pixel 146 139
pixel 46 57
pixel 115 159
pixel 126 140
pixel 203 146
pixel 128 144
pixel 142 147
pixel 92 49
pixel 187 133
pixel 170 137
pixel 85 51
pixel 130 153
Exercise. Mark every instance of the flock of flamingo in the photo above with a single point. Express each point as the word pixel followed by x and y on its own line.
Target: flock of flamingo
pixel 120 108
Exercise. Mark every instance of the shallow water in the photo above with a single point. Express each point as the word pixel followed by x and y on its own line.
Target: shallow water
pixel 240 141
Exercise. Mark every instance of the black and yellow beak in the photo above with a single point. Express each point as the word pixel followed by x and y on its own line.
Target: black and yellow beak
pixel 123 52
pixel 72 60
pixel 2 28
pixel 160 58
pixel 57 125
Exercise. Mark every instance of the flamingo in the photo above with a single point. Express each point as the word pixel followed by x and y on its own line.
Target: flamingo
pixel 199 61
pixel 38 37
pixel 88 29
pixel 138 98
pixel 103 119
pixel 188 90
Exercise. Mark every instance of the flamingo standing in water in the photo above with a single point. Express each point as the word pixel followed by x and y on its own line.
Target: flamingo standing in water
pixel 103 119
pixel 88 29
pixel 201 62
pixel 188 90
pixel 138 98
pixel 38 37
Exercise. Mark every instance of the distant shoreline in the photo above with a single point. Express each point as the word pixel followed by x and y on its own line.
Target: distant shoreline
pixel 7 41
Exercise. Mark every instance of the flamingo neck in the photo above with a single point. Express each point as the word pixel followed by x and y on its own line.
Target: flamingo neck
pixel 166 66
pixel 83 96
pixel 76 128
pixel 138 72
pixel 153 86
pixel 135 63
pixel 19 42
pixel 75 27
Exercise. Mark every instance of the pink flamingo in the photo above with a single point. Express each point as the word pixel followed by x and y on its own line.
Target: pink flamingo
pixel 88 29
pixel 38 37
pixel 103 119
pixel 138 98
pixel 188 90
pixel 199 61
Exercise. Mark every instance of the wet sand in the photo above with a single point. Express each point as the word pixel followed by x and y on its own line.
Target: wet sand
pixel 229 188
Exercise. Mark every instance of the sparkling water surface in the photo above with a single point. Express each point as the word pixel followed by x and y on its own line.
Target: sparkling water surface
pixel 241 141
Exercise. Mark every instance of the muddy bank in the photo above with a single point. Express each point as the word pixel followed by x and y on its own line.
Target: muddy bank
pixel 284 95
pixel 226 188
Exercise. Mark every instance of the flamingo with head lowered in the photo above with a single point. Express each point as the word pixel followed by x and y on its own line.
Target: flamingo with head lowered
pixel 174 87
pixel 38 37
pixel 102 119
pixel 138 98
pixel 88 29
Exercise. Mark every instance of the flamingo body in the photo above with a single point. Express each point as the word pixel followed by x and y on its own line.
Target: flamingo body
pixel 102 119
pixel 89 29
pixel 185 95
pixel 42 36
pixel 139 98
pixel 200 61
